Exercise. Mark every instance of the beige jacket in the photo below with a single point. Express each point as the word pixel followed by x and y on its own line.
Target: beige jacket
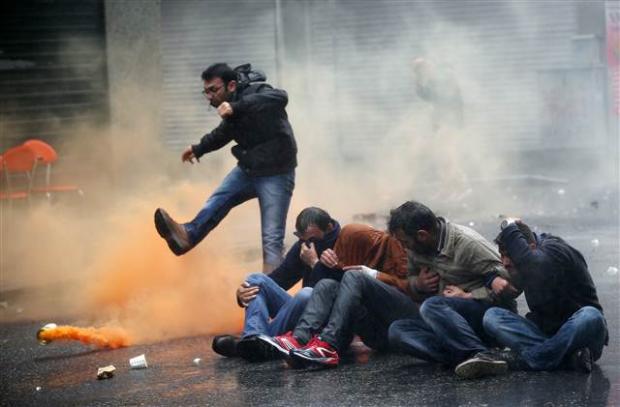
pixel 465 259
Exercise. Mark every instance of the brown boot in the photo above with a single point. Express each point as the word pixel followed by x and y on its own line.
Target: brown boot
pixel 175 234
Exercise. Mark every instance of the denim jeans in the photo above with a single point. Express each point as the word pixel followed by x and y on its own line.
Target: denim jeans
pixel 273 311
pixel 449 330
pixel 274 196
pixel 362 305
pixel 585 328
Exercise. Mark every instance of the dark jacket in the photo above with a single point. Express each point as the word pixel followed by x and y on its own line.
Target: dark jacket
pixel 554 277
pixel 259 124
pixel 293 269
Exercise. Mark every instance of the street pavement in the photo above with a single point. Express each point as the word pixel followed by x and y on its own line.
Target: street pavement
pixel 64 374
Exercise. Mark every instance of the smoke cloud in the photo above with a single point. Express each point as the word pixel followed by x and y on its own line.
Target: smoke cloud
pixel 98 260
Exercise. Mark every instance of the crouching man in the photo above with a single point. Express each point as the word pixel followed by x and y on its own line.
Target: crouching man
pixel 565 327
pixel 457 275
pixel 269 309
pixel 369 297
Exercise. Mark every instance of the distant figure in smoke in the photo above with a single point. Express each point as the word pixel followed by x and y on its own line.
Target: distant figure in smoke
pixel 443 153
pixel 565 327
pixel 253 115
pixel 439 87
pixel 269 309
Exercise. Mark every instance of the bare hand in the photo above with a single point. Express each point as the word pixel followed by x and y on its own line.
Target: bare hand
pixel 427 281
pixel 246 293
pixel 308 254
pixel 188 155
pixel 225 110
pixel 501 286
pixel 329 258
pixel 456 292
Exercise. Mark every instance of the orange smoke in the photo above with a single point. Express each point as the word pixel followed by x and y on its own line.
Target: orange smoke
pixel 104 337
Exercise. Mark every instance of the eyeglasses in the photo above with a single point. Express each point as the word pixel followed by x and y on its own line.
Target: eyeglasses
pixel 211 90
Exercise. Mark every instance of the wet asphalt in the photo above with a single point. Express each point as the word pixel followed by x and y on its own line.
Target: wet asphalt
pixel 64 374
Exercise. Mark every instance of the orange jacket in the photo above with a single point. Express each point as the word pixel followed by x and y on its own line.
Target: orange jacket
pixel 363 245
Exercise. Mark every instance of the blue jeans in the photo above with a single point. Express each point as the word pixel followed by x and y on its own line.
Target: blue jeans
pixel 273 311
pixel 449 330
pixel 585 328
pixel 274 196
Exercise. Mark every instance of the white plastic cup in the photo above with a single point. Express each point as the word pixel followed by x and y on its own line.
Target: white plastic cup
pixel 138 362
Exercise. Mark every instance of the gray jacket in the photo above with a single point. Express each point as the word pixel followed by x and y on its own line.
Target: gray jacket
pixel 465 259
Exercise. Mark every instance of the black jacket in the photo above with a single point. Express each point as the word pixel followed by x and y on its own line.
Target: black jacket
pixel 293 269
pixel 259 124
pixel 554 277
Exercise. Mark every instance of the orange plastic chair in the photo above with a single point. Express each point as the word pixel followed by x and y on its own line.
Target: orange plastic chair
pixel 19 167
pixel 47 156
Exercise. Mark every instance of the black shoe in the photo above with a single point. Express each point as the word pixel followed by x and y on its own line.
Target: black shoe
pixel 225 345
pixel 482 364
pixel 581 360
pixel 253 349
pixel 175 234
pixel 509 356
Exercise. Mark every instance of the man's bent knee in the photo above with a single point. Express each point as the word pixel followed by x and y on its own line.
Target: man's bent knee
pixel 304 294
pixel 493 318
pixel 431 305
pixel 256 279
pixel 326 285
pixel 355 278
pixel 591 316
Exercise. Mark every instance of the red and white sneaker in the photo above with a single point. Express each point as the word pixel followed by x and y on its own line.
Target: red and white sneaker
pixel 315 353
pixel 282 343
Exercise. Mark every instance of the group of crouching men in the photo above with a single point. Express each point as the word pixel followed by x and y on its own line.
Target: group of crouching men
pixel 427 287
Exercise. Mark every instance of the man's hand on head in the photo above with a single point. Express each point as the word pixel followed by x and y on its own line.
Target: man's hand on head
pixel 329 258
pixel 246 293
pixel 308 254
pixel 225 110
pixel 427 281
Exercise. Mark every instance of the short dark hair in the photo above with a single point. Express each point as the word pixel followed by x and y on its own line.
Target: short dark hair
pixel 313 216
pixel 411 217
pixel 219 70
pixel 524 229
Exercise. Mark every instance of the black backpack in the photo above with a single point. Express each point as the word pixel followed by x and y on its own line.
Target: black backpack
pixel 245 75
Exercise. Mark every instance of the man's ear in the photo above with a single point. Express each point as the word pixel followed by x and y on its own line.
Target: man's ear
pixel 232 86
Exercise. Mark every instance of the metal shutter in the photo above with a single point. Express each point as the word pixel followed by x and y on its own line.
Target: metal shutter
pixel 501 44
pixel 52 68
pixel 197 33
